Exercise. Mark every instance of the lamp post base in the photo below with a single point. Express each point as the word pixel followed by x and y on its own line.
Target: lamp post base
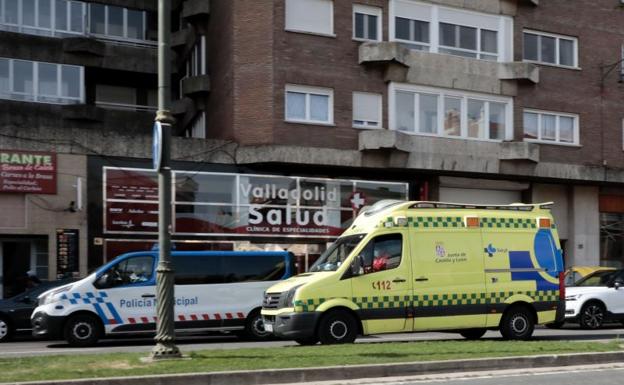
pixel 165 351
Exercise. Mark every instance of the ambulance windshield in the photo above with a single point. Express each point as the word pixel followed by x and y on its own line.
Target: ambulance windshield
pixel 337 253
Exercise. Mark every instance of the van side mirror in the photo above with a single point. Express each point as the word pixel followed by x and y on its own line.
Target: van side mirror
pixel 617 285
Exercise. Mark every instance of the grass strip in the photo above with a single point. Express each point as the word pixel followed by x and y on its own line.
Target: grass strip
pixel 128 364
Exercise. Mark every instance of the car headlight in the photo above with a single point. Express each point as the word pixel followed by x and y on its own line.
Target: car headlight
pixel 290 297
pixel 53 296
pixel 573 297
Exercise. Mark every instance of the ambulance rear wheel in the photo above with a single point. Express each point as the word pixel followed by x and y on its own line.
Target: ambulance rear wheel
pixel 517 323
pixel 83 330
pixel 337 327
pixel 472 334
pixel 307 341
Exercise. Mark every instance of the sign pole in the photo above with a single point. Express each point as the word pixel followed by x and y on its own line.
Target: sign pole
pixel 165 332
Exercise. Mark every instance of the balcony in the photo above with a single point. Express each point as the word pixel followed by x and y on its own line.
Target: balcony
pixel 196 85
pixel 195 9
pixel 389 148
pixel 405 65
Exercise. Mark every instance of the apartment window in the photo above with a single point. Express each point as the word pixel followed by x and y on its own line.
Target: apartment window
pixel 117 23
pixel 551 127
pixel 366 23
pixel 439 29
pixel 198 127
pixel 196 65
pixel 313 16
pixel 41 82
pixel 309 104
pixel 43 17
pixel 551 49
pixel 468 41
pixel 366 110
pixel 439 112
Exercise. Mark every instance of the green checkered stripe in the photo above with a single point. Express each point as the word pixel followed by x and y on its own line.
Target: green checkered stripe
pixel 509 223
pixel 390 302
pixel 432 222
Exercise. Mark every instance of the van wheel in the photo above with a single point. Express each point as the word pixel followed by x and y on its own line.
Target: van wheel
pixel 83 330
pixel 517 323
pixel 254 327
pixel 472 334
pixel 307 341
pixel 592 315
pixel 337 327
pixel 5 330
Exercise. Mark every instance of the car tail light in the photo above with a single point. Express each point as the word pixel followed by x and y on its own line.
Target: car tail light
pixel 562 285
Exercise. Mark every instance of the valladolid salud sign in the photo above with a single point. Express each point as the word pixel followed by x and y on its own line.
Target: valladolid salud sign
pixel 27 172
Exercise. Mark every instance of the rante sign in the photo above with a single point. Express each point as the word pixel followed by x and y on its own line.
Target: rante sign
pixel 27 172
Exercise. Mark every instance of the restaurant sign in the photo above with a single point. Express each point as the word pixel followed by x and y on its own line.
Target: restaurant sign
pixel 27 172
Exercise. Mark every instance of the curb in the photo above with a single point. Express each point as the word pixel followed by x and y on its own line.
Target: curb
pixel 350 372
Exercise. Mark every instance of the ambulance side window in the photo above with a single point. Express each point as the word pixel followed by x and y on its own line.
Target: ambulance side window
pixel 135 270
pixel 382 253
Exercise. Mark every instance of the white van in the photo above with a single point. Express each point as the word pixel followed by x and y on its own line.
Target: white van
pixel 214 291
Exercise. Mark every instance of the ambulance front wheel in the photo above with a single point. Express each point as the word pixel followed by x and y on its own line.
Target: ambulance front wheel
pixel 517 323
pixel 472 334
pixel 83 330
pixel 337 327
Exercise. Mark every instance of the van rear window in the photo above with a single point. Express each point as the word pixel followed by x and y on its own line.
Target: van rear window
pixel 211 269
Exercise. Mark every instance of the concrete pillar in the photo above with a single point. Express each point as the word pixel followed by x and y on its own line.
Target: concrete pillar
pixel 583 247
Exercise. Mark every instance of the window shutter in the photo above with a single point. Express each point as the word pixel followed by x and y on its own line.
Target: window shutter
pixel 366 108
pixel 310 16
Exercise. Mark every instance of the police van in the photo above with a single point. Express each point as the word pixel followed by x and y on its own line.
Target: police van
pixel 424 266
pixel 214 291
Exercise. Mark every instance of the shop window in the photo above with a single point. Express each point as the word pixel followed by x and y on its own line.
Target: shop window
pixel 312 16
pixel 612 239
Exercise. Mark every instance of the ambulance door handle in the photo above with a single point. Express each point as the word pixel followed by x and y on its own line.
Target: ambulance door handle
pixel 494 279
pixel 421 279
pixel 398 280
pixel 149 296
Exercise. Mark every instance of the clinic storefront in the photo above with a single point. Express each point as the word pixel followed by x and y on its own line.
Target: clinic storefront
pixel 220 210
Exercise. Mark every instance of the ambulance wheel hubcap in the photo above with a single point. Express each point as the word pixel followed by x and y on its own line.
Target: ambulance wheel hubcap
pixel 4 329
pixel 82 330
pixel 338 329
pixel 519 324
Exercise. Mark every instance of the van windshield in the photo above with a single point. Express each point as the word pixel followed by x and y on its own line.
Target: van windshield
pixel 337 253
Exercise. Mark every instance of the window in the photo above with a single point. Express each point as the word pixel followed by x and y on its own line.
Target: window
pixel 314 16
pixel 337 253
pixel 309 104
pixel 551 127
pixel 198 127
pixel 195 270
pixel 41 82
pixel 253 268
pixel 612 239
pixel 465 41
pixel 366 110
pixel 367 23
pixel 439 29
pixel 552 49
pixel 382 253
pixel 63 17
pixel 433 111
pixel 132 271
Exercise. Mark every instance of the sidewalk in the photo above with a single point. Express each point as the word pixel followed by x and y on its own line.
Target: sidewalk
pixel 288 376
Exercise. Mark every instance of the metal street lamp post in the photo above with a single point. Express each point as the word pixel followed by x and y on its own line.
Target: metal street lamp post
pixel 165 333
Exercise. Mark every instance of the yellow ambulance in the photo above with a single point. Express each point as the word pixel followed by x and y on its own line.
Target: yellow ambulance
pixel 423 266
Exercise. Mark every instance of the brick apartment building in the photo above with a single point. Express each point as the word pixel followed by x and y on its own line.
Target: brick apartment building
pixel 293 114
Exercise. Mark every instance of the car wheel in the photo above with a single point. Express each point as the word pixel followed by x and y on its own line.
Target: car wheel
pixel 517 323
pixel 5 330
pixel 83 330
pixel 555 325
pixel 307 341
pixel 337 327
pixel 472 334
pixel 592 315
pixel 254 327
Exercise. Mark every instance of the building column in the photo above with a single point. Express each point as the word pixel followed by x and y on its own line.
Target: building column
pixel 584 227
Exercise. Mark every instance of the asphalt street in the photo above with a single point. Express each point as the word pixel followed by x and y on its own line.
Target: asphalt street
pixel 604 374
pixel 28 347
